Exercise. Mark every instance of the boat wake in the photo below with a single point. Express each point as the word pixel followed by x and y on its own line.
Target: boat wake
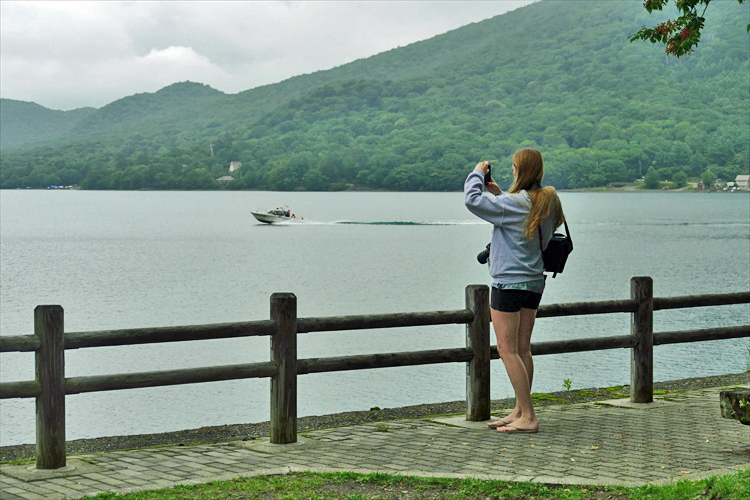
pixel 389 223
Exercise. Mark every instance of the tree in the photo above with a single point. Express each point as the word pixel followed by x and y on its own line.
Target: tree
pixel 679 179
pixel 652 179
pixel 613 170
pixel 200 178
pixel 681 35
pixel 69 177
pixel 314 180
pixel 597 180
pixel 680 153
pixel 708 179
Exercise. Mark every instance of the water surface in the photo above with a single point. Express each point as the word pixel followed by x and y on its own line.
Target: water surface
pixel 142 259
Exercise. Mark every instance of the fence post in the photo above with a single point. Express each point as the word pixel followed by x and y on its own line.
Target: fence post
pixel 642 328
pixel 478 340
pixel 284 383
pixel 50 373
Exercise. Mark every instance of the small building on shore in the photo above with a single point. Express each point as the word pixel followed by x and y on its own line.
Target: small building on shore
pixel 225 180
pixel 742 182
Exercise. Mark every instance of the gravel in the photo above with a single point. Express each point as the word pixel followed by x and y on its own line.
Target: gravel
pixel 223 433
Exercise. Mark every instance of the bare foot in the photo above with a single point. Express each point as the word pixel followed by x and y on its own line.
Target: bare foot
pixel 499 423
pixel 503 421
pixel 521 425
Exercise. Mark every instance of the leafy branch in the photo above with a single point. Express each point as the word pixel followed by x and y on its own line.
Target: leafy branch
pixel 681 35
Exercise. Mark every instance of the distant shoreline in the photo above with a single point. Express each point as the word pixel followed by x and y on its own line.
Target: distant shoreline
pixel 574 190
pixel 624 189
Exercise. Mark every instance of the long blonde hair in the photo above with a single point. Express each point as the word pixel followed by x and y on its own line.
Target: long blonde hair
pixel 530 171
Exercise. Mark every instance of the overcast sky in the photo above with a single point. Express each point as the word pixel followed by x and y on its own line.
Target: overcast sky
pixel 66 55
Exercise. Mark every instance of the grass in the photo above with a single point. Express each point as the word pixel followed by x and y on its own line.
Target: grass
pixel 20 461
pixel 614 392
pixel 352 486
pixel 543 396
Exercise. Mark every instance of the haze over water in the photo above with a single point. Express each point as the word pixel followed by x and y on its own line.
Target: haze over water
pixel 140 259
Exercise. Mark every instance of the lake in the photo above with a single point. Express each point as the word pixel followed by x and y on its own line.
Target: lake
pixel 141 259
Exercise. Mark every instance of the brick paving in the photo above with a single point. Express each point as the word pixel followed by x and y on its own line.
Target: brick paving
pixel 680 435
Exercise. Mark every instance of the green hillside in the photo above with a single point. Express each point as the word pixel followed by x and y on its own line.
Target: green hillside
pixel 559 76
pixel 24 122
pixel 172 103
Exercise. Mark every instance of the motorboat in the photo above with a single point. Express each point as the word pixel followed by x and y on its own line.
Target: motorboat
pixel 276 215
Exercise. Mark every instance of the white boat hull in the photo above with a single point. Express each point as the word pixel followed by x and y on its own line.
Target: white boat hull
pixel 269 218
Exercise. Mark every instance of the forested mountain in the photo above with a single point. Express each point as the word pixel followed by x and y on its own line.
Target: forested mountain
pixel 559 76
pixel 24 122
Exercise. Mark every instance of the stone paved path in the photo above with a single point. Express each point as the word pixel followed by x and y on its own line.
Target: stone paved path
pixel 681 435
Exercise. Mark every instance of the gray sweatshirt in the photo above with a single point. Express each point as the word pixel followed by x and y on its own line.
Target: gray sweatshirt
pixel 514 258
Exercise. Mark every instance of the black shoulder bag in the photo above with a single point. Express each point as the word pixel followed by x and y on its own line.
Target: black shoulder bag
pixel 558 249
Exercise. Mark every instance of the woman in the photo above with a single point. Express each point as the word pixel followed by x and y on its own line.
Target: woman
pixel 517 268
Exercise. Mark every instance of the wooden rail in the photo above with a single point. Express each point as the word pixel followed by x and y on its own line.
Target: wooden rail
pixel 49 343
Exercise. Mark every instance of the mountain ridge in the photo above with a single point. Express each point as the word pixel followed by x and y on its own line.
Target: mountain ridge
pixel 26 122
pixel 603 110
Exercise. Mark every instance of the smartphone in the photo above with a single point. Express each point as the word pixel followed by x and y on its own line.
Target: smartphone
pixel 488 175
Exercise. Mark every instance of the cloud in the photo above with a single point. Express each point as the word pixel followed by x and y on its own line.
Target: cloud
pixel 173 64
pixel 70 54
pixel 155 70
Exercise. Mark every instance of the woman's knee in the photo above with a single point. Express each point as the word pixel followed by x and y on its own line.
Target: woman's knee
pixel 506 352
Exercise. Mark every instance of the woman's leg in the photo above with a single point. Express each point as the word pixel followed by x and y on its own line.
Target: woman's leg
pixel 525 327
pixel 508 331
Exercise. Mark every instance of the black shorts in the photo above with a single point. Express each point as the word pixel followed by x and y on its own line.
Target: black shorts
pixel 513 300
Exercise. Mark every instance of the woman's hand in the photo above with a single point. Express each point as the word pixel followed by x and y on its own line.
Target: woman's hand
pixel 493 188
pixel 484 166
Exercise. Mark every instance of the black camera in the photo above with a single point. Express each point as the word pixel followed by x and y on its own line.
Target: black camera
pixel 484 255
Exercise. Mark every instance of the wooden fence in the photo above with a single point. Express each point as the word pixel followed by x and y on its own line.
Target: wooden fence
pixel 49 343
